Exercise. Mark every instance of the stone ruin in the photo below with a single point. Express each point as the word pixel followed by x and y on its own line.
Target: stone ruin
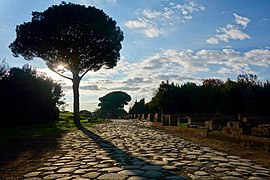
pixel 244 124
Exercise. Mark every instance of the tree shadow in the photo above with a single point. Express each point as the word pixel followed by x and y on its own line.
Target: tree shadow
pixel 22 154
pixel 135 165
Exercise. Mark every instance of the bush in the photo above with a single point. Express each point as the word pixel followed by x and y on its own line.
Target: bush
pixel 28 98
pixel 66 120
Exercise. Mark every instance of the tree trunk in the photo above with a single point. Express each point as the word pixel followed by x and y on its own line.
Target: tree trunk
pixel 76 102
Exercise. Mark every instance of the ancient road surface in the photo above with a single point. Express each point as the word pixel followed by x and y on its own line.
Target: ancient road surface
pixel 123 149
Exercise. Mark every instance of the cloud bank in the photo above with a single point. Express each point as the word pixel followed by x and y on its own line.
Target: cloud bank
pixel 140 79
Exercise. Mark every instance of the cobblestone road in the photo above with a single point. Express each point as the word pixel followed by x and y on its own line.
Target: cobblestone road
pixel 123 149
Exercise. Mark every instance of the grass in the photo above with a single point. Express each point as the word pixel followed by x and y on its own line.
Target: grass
pixel 22 132
pixel 66 121
pixel 64 124
pixel 182 125
pixel 93 122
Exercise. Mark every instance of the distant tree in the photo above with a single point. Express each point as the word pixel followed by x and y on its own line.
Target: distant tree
pixel 112 104
pixel 212 82
pixel 211 96
pixel 28 98
pixel 74 37
pixel 3 69
pixel 247 79
pixel 138 107
pixel 160 102
pixel 85 114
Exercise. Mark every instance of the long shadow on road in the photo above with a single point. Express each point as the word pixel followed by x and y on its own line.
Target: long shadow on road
pixel 136 166
pixel 24 155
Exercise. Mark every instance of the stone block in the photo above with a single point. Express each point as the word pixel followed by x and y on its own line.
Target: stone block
pixel 144 116
pixel 150 117
pixel 260 131
pixel 173 120
pixel 256 120
pixel 157 117
pixel 166 120
pixel 209 125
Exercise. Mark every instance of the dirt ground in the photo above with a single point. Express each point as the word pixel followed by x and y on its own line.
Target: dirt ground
pixel 20 157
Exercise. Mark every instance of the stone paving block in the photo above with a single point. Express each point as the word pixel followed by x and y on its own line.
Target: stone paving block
pixel 67 170
pixel 218 169
pixel 91 175
pixel 151 168
pixel 55 176
pixel 154 175
pixel 111 169
pixel 258 174
pixel 255 178
pixel 64 178
pixel 225 165
pixel 113 176
pixel 175 178
pixel 231 178
pixel 32 174
pixel 136 178
pixel 133 172
pixel 171 168
pixel 81 171
pixel 201 173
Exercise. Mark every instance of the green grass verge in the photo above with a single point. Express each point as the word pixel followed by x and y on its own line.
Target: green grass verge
pixel 183 125
pixel 14 133
pixel 92 122
pixel 65 123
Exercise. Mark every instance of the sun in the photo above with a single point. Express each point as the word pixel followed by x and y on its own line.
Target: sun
pixel 60 67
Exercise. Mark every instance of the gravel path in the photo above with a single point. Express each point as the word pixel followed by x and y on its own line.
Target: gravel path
pixel 125 149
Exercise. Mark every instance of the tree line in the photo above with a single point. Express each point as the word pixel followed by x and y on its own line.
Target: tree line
pixel 245 95
pixel 27 97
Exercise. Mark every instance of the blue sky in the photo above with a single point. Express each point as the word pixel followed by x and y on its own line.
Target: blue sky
pixel 176 40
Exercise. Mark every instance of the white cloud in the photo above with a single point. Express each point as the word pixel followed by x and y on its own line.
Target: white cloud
pixel 112 1
pixel 234 33
pixel 151 14
pixel 148 30
pixel 187 9
pixel 213 40
pixel 136 24
pixel 258 57
pixel 224 70
pixel 264 19
pixel 152 32
pixel 241 20
pixel 94 2
pixel 231 31
pixel 86 2
pixel 155 22
pixel 234 61
pixel 187 60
